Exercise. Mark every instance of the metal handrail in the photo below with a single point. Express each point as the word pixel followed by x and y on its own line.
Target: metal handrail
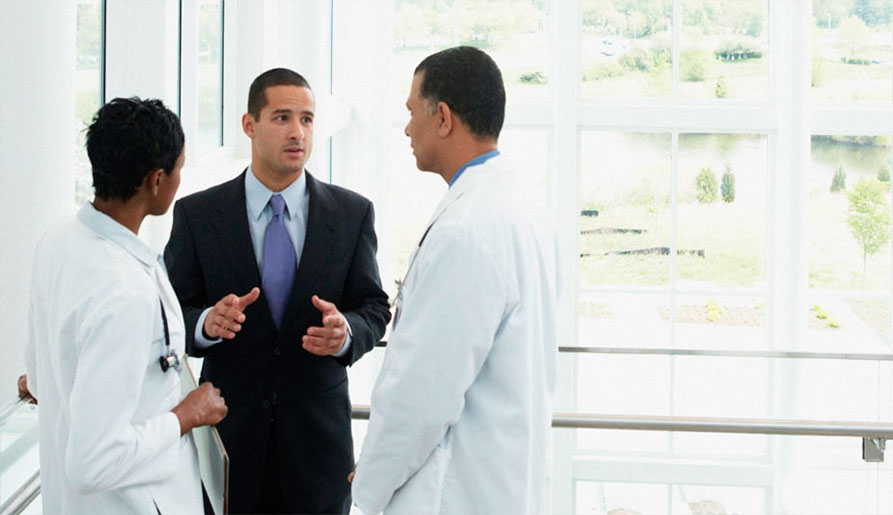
pixel 666 351
pixel 874 434
pixel 705 424
pixel 22 497
pixel 13 407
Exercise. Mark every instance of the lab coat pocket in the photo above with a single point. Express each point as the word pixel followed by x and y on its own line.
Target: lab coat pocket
pixel 421 494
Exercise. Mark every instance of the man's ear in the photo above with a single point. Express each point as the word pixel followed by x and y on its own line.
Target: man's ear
pixel 248 125
pixel 444 119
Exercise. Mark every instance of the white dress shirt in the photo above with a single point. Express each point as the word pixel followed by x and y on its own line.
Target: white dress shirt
pixel 257 203
pixel 109 442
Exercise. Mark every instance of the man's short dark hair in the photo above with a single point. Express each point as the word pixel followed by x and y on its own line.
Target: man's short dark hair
pixel 127 139
pixel 257 97
pixel 468 81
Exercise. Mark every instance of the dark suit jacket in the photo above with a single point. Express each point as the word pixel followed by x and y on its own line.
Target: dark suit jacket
pixel 265 370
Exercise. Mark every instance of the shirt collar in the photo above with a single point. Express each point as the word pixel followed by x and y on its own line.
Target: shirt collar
pixel 110 229
pixel 257 195
pixel 474 162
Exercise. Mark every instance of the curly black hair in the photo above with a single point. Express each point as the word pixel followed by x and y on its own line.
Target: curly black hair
pixel 128 138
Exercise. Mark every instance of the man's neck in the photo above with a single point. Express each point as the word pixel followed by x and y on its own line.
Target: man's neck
pixel 275 182
pixel 463 154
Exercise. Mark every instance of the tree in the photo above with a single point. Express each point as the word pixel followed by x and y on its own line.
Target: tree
pixel 705 186
pixel 883 174
pixel 868 218
pixel 720 90
pixel 838 182
pixel 727 187
pixel 854 31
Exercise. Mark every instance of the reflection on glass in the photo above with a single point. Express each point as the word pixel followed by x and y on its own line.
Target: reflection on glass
pixel 724 51
pixel 849 220
pixel 852 56
pixel 721 214
pixel 624 209
pixel 621 498
pixel 209 66
pixel 631 385
pixel 87 75
pixel 627 48
pixel 512 32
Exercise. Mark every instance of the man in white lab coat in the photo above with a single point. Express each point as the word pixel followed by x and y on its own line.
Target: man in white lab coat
pixel 461 408
pixel 114 435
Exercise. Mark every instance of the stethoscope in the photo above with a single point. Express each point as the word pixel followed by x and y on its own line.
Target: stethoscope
pixel 169 359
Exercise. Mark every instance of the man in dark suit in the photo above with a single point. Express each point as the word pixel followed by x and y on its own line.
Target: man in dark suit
pixel 278 353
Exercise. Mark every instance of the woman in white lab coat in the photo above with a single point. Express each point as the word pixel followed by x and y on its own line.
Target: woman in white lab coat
pixel 106 332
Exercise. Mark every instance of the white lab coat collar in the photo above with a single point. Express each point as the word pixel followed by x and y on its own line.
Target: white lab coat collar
pixel 467 182
pixel 110 229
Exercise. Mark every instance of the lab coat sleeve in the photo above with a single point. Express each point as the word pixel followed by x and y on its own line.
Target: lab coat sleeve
pixel 106 448
pixel 445 330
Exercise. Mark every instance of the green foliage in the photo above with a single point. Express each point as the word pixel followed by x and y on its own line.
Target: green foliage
pixel 88 33
pixel 713 310
pixel 634 60
pixel 603 70
pixel 720 90
pixel 883 174
pixel 838 182
pixel 705 186
pixel 694 64
pixel 739 50
pixel 534 77
pixel 855 60
pixel 819 72
pixel 833 323
pixel 868 217
pixel 855 33
pixel 727 186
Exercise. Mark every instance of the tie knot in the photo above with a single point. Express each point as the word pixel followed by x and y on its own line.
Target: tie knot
pixel 278 205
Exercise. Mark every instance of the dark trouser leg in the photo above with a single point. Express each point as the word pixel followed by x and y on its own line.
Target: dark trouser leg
pixel 270 500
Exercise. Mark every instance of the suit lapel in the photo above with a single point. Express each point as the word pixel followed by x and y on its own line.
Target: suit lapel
pixel 231 228
pixel 317 244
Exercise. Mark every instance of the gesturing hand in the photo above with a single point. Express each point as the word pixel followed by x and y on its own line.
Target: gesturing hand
pixel 328 339
pixel 225 318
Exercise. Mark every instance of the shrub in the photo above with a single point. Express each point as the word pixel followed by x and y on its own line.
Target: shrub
pixel 713 310
pixel 535 77
pixel 705 186
pixel 883 174
pixel 694 64
pixel 838 182
pixel 738 50
pixel 603 70
pixel 720 90
pixel 727 186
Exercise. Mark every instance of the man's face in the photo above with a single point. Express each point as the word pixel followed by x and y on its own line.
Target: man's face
pixel 282 135
pixel 422 127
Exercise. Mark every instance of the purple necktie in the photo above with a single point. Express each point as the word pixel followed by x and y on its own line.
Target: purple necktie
pixel 280 262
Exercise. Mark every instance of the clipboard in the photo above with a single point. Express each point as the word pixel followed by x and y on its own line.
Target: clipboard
pixel 213 462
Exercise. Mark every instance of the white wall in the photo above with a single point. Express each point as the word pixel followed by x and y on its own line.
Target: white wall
pixel 37 150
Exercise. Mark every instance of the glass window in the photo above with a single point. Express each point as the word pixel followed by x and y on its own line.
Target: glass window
pixel 724 49
pixel 513 32
pixel 627 48
pixel 88 89
pixel 209 77
pixel 852 50
pixel 849 241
